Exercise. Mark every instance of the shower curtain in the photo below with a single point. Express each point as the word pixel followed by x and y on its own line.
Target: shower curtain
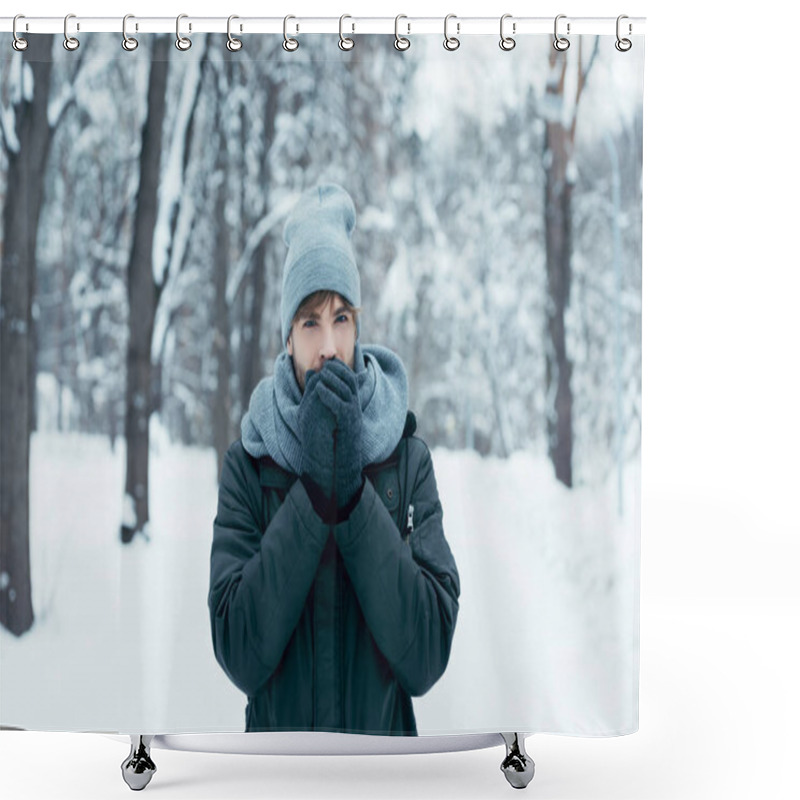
pixel 497 209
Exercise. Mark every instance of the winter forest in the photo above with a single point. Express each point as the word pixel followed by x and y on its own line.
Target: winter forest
pixel 143 196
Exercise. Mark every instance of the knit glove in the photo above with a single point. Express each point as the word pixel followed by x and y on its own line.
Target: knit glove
pixel 338 391
pixel 316 424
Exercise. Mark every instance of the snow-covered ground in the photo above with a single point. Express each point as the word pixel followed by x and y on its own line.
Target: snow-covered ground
pixel 547 633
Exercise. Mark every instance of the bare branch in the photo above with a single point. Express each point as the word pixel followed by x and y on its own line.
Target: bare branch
pixel 8 141
pixel 582 78
pixel 62 110
pixel 56 112
pixel 259 231
pixel 585 73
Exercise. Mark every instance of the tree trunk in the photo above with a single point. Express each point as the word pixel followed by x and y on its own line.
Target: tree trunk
pixel 252 365
pixel 252 361
pixel 142 300
pixel 26 167
pixel 558 243
pixel 559 147
pixel 221 345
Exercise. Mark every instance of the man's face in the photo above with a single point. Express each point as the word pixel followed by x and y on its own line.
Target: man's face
pixel 322 334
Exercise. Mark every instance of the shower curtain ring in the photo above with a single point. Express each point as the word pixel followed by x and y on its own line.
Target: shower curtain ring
pixel 623 45
pixel 344 42
pixel 507 42
pixel 128 43
pixel 400 42
pixel 70 42
pixel 233 44
pixel 18 42
pixel 451 42
pixel 560 43
pixel 289 44
pixel 182 42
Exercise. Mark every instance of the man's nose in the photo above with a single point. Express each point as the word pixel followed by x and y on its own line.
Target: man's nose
pixel 328 345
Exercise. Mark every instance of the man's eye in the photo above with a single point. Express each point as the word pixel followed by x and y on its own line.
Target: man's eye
pixel 342 318
pixel 308 323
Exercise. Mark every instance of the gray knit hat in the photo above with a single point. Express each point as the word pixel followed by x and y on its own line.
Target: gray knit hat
pixel 320 255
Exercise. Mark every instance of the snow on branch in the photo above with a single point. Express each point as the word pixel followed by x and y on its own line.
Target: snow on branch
pixel 258 233
pixel 172 180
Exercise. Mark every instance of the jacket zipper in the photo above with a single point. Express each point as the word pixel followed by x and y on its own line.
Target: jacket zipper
pixel 313 665
pixel 337 656
pixel 340 654
pixel 313 628
pixel 333 488
pixel 409 524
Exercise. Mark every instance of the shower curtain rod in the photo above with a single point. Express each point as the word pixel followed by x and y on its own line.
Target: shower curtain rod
pixel 406 26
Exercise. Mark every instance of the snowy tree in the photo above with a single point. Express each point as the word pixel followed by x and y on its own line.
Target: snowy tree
pixel 27 125
pixel 162 222
pixel 560 109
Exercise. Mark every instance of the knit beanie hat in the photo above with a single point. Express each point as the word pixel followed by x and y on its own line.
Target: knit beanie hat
pixel 320 255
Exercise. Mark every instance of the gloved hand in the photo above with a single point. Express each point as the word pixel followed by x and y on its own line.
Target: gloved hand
pixel 338 391
pixel 316 423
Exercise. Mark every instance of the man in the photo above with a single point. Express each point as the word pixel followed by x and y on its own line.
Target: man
pixel 333 593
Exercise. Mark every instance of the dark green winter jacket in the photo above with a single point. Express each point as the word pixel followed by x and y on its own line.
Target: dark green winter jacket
pixel 332 627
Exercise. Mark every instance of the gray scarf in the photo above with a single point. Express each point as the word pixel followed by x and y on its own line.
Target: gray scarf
pixel 270 425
